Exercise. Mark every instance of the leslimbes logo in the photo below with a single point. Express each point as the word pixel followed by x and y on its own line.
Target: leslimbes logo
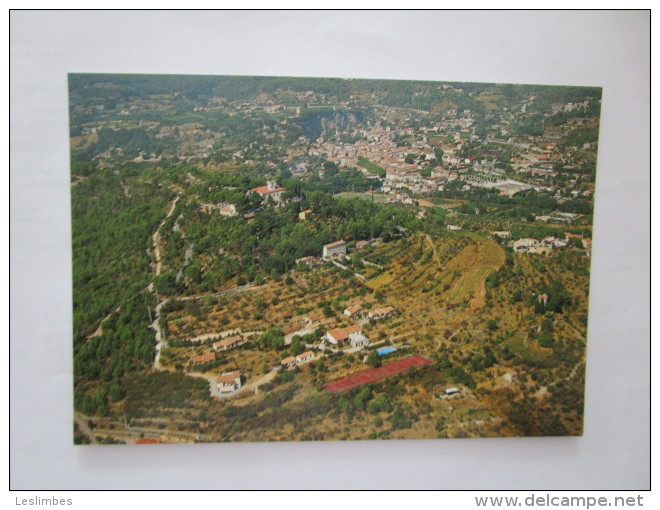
pixel 37 501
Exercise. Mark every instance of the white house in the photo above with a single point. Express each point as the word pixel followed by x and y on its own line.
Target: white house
pixel 288 362
pixel 554 242
pixel 351 334
pixel 359 341
pixel 228 382
pixel 228 343
pixel 524 244
pixel 336 249
pixel 353 310
pixel 304 357
pixel 270 190
pixel 378 313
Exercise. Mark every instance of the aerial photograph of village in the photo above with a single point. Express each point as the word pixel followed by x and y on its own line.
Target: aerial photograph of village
pixel 304 259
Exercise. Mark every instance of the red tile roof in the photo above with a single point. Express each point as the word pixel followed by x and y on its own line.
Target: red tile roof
pixel 332 245
pixel 227 342
pixel 229 377
pixel 264 190
pixel 204 358
pixel 340 334
pixel 146 440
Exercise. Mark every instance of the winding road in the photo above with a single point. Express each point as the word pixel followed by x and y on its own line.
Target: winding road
pixel 155 325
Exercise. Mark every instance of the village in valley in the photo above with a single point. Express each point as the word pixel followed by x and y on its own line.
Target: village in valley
pixel 275 259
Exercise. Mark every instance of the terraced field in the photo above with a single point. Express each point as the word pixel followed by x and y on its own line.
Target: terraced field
pixel 470 287
pixel 529 350
pixel 475 262
pixel 426 277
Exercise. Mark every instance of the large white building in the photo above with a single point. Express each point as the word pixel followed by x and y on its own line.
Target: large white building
pixel 336 249
pixel 270 190
pixel 351 334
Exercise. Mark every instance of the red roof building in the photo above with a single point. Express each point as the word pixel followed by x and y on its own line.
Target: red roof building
pixel 265 190
pixel 339 335
pixel 204 358
pixel 270 190
pixel 336 249
pixel 228 343
pixel 229 381
pixel 352 310
pixel 305 356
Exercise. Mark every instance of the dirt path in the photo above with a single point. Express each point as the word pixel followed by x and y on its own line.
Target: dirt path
pixel 155 325
pixel 99 330
pixel 81 421
pixel 155 237
pixel 574 371
pixel 435 253
pixel 159 335
pixel 124 188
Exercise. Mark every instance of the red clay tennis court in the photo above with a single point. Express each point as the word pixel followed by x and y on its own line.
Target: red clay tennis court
pixel 376 374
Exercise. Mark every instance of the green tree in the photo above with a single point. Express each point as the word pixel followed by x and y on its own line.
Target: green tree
pixel 374 359
pixel 360 400
pixel 297 346
pixel 259 303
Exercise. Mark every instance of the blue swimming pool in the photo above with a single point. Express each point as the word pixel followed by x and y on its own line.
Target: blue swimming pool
pixel 385 350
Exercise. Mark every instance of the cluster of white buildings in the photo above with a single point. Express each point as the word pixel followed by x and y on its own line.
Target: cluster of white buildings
pixel 531 245
pixel 558 217
pixel 569 107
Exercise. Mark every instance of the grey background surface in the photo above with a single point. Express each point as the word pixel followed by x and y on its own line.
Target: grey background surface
pixel 608 49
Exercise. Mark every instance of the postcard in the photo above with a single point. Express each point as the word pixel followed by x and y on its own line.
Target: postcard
pixel 304 259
